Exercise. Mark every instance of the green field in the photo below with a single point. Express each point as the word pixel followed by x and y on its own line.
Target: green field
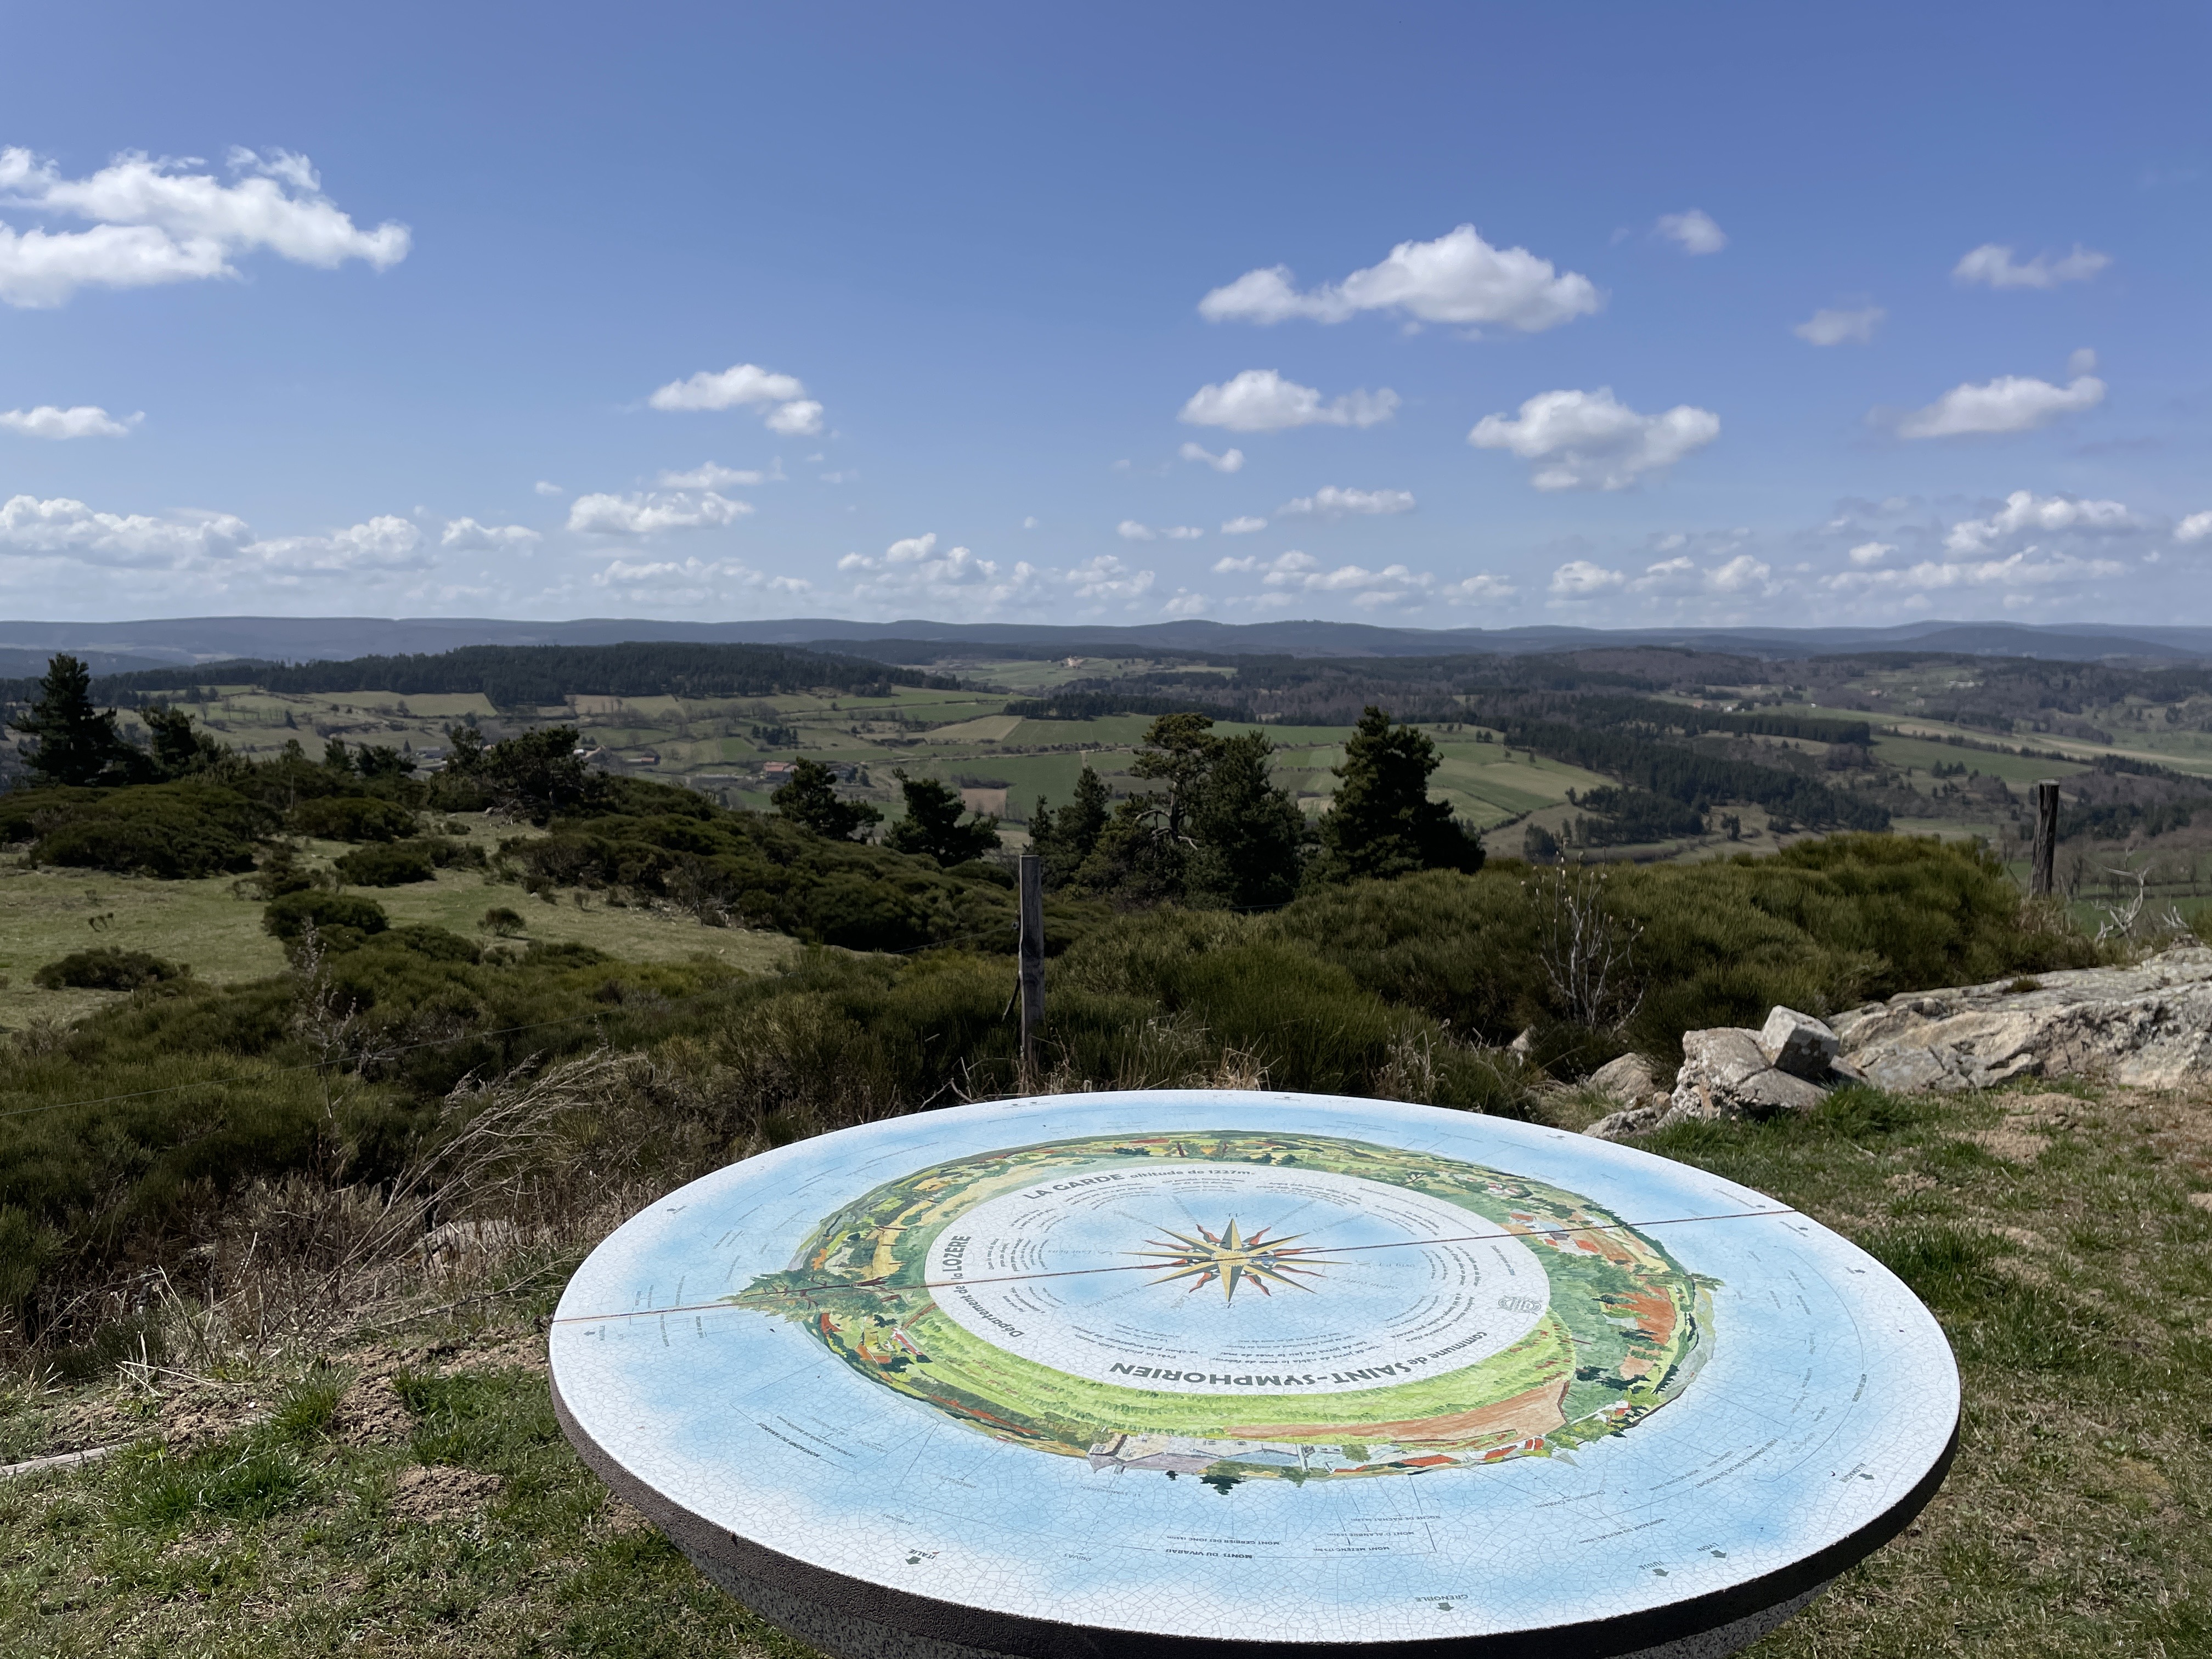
pixel 214 926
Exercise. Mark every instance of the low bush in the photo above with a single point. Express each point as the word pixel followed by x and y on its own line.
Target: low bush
pixel 1823 927
pixel 175 831
pixel 288 917
pixel 390 863
pixel 756 870
pixel 106 968
pixel 350 818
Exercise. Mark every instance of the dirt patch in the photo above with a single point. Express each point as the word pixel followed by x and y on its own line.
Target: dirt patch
pixel 621 1518
pixel 2202 1201
pixel 438 1491
pixel 371 1413
pixel 2013 1145
pixel 2046 1112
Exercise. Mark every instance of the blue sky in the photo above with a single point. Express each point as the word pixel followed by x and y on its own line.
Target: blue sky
pixel 1508 315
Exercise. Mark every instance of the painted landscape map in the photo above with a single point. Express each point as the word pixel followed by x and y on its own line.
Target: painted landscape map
pixel 1254 1366
pixel 1228 1304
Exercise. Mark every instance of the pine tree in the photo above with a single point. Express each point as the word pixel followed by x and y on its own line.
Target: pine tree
pixel 1251 838
pixel 811 798
pixel 1143 855
pixel 932 824
pixel 1382 822
pixel 1064 839
pixel 176 750
pixel 78 744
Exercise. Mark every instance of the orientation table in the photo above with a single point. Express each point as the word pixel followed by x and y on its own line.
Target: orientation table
pixel 1240 1374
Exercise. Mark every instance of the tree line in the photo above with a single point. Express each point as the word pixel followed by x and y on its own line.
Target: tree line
pixel 1212 830
pixel 1699 780
pixel 533 676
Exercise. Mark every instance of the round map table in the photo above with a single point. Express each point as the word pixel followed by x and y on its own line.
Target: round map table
pixel 1236 1373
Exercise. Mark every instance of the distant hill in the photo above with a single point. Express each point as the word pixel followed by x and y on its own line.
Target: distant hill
pixel 298 640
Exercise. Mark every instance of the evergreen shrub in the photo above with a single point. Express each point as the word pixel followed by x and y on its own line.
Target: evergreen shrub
pixel 106 967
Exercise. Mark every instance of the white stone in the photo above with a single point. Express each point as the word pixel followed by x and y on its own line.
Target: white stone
pixel 1726 1074
pixel 1797 1044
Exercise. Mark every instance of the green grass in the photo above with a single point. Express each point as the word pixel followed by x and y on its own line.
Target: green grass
pixel 2068 1273
pixel 209 926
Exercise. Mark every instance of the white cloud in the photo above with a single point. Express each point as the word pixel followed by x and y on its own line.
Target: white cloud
pixel 1457 278
pixel 2196 527
pixel 740 384
pixel 2020 570
pixel 2024 511
pixel 1185 603
pixel 1294 572
pixel 1242 527
pixel 1680 575
pixel 545 488
pixel 69 528
pixel 1032 522
pixel 1478 589
pixel 1992 265
pixel 710 475
pixel 2011 403
pixel 1301 572
pixel 650 512
pixel 1230 460
pixel 1579 579
pixel 1252 563
pixel 1107 578
pixel 1590 440
pixel 912 570
pixel 789 409
pixel 691 582
pixel 1130 530
pixel 1827 328
pixel 1261 400
pixel 1870 553
pixel 79 421
pixel 1739 575
pixel 467 536
pixel 1694 231
pixel 1330 502
pixel 154 221
pixel 217 547
pixel 801 418
pixel 2081 363
pixel 382 544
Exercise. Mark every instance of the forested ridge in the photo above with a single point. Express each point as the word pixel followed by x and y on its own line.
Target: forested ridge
pixel 531 676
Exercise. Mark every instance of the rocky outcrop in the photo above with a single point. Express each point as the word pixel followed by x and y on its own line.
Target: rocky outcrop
pixel 2149 1026
pixel 1732 1072
pixel 1726 1073
pixel 1628 1079
pixel 1797 1044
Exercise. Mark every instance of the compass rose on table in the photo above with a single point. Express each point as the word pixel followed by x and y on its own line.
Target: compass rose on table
pixel 1234 1260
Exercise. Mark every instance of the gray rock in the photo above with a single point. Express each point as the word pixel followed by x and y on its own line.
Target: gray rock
pixel 1627 1079
pixel 1726 1074
pixel 1797 1044
pixel 1629 1120
pixel 2149 1026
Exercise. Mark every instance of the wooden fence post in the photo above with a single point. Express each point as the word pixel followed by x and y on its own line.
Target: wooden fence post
pixel 1032 958
pixel 2044 857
